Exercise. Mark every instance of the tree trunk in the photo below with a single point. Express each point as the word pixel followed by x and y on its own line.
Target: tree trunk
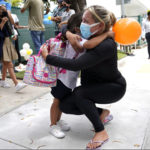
pixel 78 5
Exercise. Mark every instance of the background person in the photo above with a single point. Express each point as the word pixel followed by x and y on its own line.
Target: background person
pixel 16 42
pixel 58 11
pixel 66 14
pixel 7 51
pixel 35 24
pixel 146 31
pixel 8 7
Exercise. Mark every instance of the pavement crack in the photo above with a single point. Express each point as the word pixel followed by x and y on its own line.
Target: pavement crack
pixel 9 141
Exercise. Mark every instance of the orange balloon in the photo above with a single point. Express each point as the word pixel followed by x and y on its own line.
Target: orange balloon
pixel 127 31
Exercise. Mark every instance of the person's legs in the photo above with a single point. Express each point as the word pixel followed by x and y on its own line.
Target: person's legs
pixel 37 39
pixel 83 99
pixel 9 66
pixel 148 42
pixel 42 37
pixel 4 70
pixel 55 113
pixel 57 125
pixel 87 96
pixel 11 72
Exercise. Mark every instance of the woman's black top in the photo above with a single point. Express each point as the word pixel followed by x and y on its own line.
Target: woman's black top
pixel 97 65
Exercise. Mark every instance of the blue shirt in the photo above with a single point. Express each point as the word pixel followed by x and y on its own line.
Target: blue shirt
pixel 7 5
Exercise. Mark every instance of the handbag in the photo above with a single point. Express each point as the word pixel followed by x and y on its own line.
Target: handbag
pixel 38 73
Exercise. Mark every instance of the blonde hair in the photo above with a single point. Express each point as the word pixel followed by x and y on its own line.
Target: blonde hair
pixel 100 14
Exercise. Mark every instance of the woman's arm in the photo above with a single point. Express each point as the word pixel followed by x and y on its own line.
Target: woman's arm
pixel 97 40
pixel 89 59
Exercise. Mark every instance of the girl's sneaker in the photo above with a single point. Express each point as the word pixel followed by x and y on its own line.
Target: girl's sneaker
pixel 63 125
pixel 4 84
pixel 56 131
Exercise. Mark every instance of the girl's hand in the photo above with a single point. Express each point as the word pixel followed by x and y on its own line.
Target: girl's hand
pixel 44 51
pixel 111 34
pixel 74 41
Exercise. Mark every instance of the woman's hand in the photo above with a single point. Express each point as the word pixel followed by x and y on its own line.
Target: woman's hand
pixel 4 20
pixel 110 34
pixel 44 52
pixel 74 41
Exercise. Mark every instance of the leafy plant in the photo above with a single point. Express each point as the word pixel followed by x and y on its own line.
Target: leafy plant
pixel 15 3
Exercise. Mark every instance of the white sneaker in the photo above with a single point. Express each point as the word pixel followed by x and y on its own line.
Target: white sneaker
pixel 4 84
pixel 63 125
pixel 56 131
pixel 20 86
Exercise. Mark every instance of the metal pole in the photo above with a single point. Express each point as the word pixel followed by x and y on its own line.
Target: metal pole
pixel 122 9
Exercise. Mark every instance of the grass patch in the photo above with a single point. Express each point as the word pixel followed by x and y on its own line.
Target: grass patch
pixel 121 55
pixel 20 75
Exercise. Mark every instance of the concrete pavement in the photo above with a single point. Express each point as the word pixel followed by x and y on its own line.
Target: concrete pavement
pixel 27 126
pixel 10 100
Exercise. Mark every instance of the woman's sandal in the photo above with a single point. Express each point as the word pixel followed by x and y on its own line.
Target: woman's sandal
pixel 98 147
pixel 107 119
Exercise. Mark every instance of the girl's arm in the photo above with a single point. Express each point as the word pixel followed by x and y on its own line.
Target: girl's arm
pixel 95 41
pixel 74 40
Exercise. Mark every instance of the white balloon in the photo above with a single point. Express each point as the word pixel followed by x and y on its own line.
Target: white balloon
pixel 23 52
pixel 26 46
pixel 26 57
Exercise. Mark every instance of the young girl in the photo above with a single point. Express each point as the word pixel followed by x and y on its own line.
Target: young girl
pixel 7 52
pixel 67 81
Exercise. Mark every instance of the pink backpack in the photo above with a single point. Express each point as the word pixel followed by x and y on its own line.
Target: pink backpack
pixel 38 73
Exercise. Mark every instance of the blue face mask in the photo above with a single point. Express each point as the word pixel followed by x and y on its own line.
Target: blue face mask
pixel 86 30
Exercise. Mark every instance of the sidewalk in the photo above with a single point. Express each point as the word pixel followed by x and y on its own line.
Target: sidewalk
pixel 10 100
pixel 26 127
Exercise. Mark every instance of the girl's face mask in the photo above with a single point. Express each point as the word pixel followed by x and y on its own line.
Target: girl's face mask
pixel 86 30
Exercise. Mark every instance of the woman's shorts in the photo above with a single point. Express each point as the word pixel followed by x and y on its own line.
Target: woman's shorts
pixel 60 90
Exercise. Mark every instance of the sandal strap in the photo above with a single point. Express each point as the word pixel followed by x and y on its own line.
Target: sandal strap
pixel 101 142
